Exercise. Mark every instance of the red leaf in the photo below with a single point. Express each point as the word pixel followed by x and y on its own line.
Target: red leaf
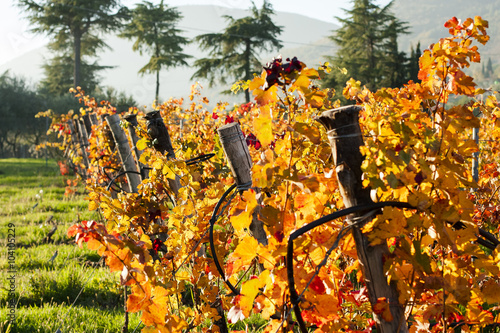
pixel 317 285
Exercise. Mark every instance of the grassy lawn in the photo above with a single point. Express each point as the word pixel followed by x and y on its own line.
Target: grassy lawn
pixel 57 284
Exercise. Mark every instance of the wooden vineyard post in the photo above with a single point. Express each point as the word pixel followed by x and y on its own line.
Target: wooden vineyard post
pixel 132 121
pixel 82 140
pixel 88 124
pixel 240 162
pixel 161 142
pixel 77 143
pixel 93 119
pixel 345 138
pixel 82 129
pixel 107 133
pixel 125 152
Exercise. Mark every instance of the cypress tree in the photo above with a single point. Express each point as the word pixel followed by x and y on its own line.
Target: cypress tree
pixel 489 68
pixel 153 27
pixel 70 23
pixel 233 52
pixel 413 63
pixel 368 47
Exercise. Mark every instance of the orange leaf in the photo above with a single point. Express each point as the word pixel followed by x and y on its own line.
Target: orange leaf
pixel 311 132
pixel 382 308
pixel 264 97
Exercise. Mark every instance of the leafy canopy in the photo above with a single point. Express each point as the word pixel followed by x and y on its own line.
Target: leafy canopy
pixel 74 26
pixel 368 48
pixel 233 53
pixel 417 151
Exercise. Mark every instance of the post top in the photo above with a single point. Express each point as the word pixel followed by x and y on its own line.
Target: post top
pixel 223 127
pixel 342 109
pixel 152 114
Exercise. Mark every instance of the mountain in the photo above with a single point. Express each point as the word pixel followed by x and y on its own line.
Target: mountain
pixel 302 36
pixel 426 19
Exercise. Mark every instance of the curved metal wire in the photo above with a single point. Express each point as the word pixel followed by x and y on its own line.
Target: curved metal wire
pixel 212 246
pixel 289 256
pixel 198 159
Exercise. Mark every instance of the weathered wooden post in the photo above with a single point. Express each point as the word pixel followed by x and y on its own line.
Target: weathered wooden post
pixel 75 138
pixel 345 138
pixel 240 162
pixel 125 152
pixel 132 121
pixel 82 129
pixel 161 142
pixel 83 141
pixel 93 119
pixel 88 125
pixel 107 133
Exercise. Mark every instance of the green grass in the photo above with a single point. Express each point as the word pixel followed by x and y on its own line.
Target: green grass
pixel 50 275
pixel 50 317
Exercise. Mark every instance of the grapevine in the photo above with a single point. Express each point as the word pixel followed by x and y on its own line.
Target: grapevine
pixel 442 254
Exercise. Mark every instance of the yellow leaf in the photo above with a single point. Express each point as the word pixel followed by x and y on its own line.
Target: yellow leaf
pixel 246 251
pixel 93 244
pixel 249 291
pixel 142 144
pixel 93 205
pixel 264 126
pixel 168 171
pixel 241 221
pixel 311 132
pixel 302 83
pixel 257 81
pixel 264 97
pixel 317 255
pixel 310 73
pixel 145 238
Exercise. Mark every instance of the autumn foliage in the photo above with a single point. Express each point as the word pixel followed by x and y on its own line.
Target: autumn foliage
pixel 418 149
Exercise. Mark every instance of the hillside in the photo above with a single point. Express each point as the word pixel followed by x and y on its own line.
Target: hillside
pixel 302 37
pixel 427 17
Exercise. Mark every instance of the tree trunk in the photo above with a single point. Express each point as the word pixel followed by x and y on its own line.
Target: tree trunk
pixel 248 73
pixel 78 58
pixel 157 54
pixel 345 139
pixel 157 86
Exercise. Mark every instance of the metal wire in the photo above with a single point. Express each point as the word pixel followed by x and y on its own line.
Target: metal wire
pixel 295 298
pixel 212 246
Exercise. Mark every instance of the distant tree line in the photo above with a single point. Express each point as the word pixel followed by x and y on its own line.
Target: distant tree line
pixel 368 49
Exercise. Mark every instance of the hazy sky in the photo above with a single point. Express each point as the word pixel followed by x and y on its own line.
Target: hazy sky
pixel 15 38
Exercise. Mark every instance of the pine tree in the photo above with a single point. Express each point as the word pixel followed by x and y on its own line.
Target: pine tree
pixel 233 54
pixel 70 23
pixel 413 66
pixel 153 27
pixel 489 69
pixel 394 63
pixel 368 47
pixel 59 70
